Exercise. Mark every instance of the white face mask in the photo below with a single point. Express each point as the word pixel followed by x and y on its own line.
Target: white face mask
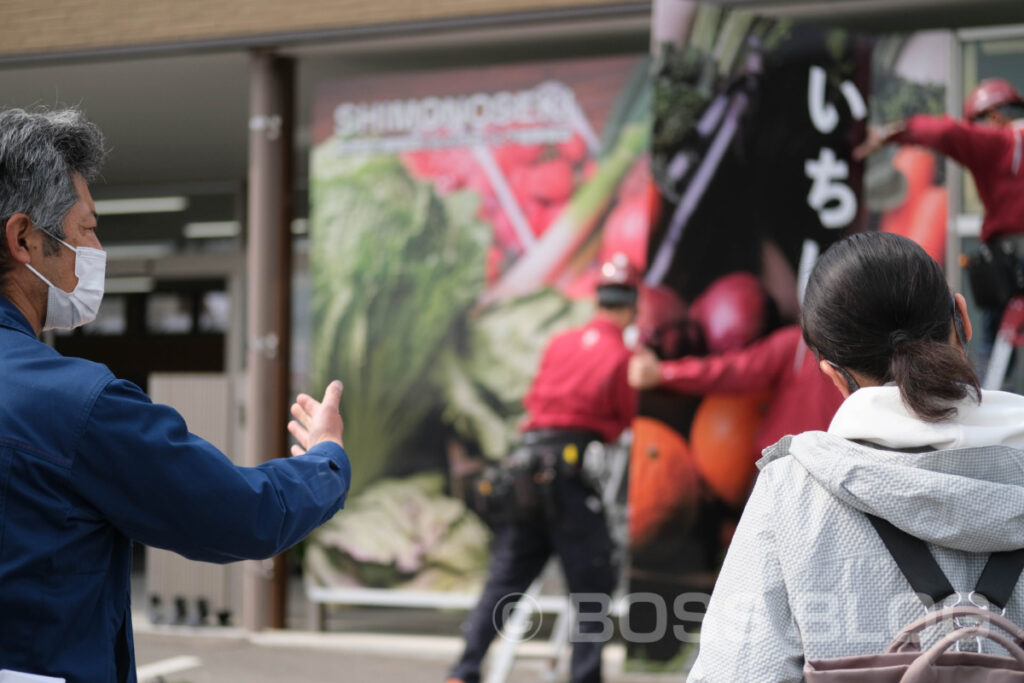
pixel 67 310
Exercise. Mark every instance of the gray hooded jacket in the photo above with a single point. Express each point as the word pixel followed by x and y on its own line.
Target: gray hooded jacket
pixel 807 576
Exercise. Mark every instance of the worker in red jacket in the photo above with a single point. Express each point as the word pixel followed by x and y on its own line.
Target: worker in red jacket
pixel 580 395
pixel 803 398
pixel 990 144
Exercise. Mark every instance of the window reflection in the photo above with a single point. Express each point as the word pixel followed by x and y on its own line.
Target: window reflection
pixel 215 314
pixel 168 313
pixel 112 318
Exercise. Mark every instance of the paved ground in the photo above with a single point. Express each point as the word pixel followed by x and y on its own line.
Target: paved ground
pixel 359 644
pixel 190 655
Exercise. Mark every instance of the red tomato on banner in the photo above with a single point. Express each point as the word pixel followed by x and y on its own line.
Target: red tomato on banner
pixel 626 231
pixel 731 311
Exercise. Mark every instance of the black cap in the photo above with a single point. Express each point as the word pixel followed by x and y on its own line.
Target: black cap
pixel 616 295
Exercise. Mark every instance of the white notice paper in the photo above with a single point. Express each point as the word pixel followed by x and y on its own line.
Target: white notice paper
pixel 8 676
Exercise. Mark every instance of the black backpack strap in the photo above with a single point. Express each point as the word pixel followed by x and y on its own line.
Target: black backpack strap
pixel 997 581
pixel 915 561
pixel 1000 576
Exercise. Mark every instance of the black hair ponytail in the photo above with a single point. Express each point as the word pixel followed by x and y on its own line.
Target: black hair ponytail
pixel 878 305
pixel 932 377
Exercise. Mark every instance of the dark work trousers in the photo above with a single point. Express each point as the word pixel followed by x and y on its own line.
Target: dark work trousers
pixel 990 321
pixel 580 538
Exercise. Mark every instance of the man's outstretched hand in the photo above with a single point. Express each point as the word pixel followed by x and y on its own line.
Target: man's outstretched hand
pixel 643 371
pixel 876 137
pixel 317 421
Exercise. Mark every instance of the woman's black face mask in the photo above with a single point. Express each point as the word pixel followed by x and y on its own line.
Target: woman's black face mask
pixel 958 325
pixel 851 383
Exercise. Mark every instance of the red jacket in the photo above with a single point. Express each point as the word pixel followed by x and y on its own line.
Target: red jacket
pixel 993 156
pixel 581 383
pixel 803 400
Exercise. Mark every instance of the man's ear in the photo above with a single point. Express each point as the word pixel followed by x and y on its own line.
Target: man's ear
pixel 837 377
pixel 16 234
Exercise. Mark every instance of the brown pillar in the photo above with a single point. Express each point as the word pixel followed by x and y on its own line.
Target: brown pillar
pixel 268 277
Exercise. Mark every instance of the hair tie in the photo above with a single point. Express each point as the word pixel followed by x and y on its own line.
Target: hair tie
pixel 897 338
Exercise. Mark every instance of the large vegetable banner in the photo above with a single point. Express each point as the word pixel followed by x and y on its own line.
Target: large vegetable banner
pixel 457 221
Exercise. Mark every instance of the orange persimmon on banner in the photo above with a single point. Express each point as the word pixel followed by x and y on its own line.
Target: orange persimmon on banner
pixel 722 440
pixel 457 221
pixel 663 479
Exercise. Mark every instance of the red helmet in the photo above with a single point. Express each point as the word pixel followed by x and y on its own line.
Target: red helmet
pixel 618 271
pixel 989 94
pixel 664 324
pixel 660 306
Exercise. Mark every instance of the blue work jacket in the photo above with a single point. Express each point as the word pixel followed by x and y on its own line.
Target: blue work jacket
pixel 88 463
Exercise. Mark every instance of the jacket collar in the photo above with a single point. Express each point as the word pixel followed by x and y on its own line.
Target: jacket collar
pixel 12 318
pixel 878 415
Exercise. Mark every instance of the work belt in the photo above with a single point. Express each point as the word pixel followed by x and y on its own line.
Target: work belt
pixel 522 486
pixel 570 444
pixel 995 272
pixel 1017 242
pixel 535 436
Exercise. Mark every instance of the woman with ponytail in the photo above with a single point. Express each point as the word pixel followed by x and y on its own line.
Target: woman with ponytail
pixel 916 443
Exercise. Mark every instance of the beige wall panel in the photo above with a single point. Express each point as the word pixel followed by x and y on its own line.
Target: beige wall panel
pixel 31 26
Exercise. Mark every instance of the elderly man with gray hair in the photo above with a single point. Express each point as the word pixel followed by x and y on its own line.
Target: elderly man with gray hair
pixel 87 462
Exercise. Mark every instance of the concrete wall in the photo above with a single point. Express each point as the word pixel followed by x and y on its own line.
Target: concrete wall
pixel 33 27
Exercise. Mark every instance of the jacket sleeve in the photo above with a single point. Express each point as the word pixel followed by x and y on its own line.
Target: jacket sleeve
pixel 749 633
pixel 757 367
pixel 970 145
pixel 137 463
pixel 625 398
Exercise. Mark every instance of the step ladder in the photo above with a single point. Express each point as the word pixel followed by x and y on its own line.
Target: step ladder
pixel 1009 337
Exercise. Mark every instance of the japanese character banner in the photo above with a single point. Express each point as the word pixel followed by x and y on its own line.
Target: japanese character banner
pixel 754 125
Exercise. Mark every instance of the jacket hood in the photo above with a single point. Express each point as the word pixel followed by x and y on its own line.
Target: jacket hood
pixel 966 492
